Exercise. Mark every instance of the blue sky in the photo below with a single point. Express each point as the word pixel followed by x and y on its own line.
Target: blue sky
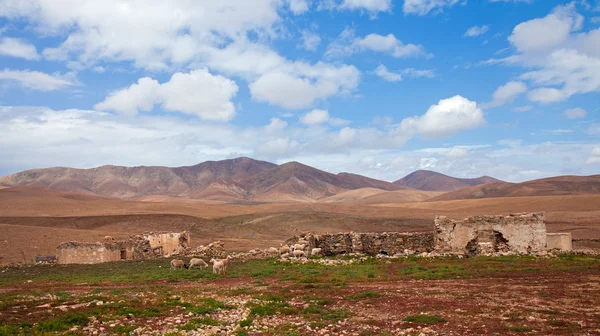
pixel 507 88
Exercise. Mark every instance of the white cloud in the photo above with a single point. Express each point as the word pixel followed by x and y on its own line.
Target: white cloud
pixel 506 93
pixel 304 85
pixel 368 5
pixel 546 95
pixel 595 20
pixel 392 76
pixel 387 75
pixel 457 153
pixel 299 6
pixel 38 81
pixel 14 47
pixel 575 113
pixel 113 30
pixel 477 30
pixel 550 31
pixel 276 125
pixel 317 117
pixel 389 44
pixel 197 93
pixel 447 117
pixel 280 147
pixel 347 44
pixel 310 40
pixel 422 7
pixel 594 157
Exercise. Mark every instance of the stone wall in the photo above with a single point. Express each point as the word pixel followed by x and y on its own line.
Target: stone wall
pixel 561 241
pixel 389 243
pixel 520 233
pixel 144 246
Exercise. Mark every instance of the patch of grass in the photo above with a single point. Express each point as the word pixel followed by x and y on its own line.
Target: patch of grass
pixel 241 332
pixel 246 322
pixel 272 305
pixel 363 295
pixel 62 323
pixel 337 314
pixel 123 329
pixel 61 295
pixel 208 306
pixel 519 329
pixel 544 294
pixel 313 309
pixel 424 319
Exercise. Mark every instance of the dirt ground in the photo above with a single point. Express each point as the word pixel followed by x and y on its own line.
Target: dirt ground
pixel 475 296
pixel 35 221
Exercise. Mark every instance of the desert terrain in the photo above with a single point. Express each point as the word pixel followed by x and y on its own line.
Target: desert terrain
pixel 250 204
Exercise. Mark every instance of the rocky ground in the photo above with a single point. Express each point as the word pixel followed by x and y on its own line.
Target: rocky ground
pixel 514 295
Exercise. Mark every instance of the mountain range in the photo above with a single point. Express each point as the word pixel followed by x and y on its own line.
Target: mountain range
pixel 248 180
pixel 227 180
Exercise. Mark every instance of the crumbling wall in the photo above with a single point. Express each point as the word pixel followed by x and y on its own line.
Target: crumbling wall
pixel 389 243
pixel 520 233
pixel 147 245
pixel 87 253
pixel 560 241
pixel 169 242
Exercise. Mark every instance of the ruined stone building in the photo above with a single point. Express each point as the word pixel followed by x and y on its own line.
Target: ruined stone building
pixel 144 246
pixel 477 235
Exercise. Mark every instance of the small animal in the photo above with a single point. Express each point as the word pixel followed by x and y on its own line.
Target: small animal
pixel 218 266
pixel 198 263
pixel 177 264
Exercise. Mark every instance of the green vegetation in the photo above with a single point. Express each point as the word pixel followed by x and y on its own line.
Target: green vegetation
pixel 364 295
pixel 520 329
pixel 123 329
pixel 61 323
pixel 424 319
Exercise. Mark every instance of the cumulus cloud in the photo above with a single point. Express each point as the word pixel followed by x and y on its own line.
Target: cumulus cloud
pixel 477 31
pixel 547 32
pixel 197 93
pixel 38 81
pixel 447 117
pixel 15 47
pixel 396 76
pixel 310 40
pixel 347 44
pixel 299 6
pixel 457 153
pixel 368 5
pixel 276 125
pixel 422 7
pixel 304 85
pixel 317 117
pixel 594 157
pixel 560 60
pixel 575 113
pixel 506 93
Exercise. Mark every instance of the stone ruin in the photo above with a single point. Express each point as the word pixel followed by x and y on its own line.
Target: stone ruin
pixel 477 235
pixel 388 243
pixel 147 245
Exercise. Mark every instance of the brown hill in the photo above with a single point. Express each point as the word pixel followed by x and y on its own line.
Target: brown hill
pixel 380 196
pixel 553 186
pixel 432 181
pixel 234 180
pixel 294 181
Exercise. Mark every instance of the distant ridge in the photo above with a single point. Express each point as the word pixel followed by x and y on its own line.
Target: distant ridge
pixel 552 186
pixel 227 180
pixel 428 180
